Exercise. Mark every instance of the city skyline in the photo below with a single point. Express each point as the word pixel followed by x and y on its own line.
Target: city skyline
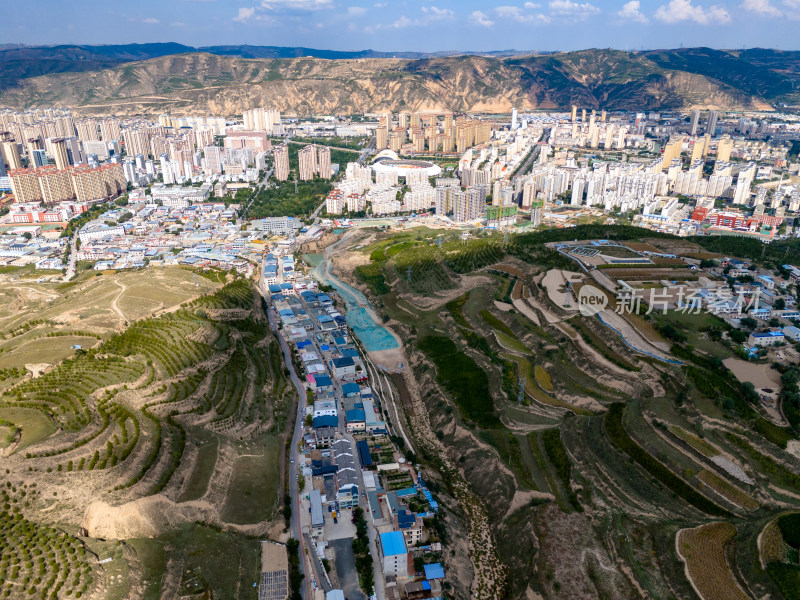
pixel 443 25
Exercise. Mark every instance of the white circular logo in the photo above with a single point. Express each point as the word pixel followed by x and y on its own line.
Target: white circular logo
pixel 591 300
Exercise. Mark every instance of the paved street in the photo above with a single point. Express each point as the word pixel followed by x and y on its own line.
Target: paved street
pixel 345 564
pixel 338 535
pixel 296 437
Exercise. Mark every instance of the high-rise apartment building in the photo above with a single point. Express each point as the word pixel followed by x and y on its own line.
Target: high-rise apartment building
pixel 694 121
pixel 65 126
pixel 712 123
pixel 382 134
pixel 137 141
pixel 57 148
pixel 724 148
pixel 74 150
pixel 110 130
pixel 469 205
pixel 262 119
pixel 213 158
pixel 87 130
pixel 10 154
pixel 307 158
pixel 324 162
pixel 38 158
pixel 102 182
pixel 25 185
pixel 697 149
pixel 55 184
pixel 671 151
pixel 281 157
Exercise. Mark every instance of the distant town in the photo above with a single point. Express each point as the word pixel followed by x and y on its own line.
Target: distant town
pixel 191 189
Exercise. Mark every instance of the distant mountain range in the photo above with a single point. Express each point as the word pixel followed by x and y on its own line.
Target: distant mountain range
pixel 151 78
pixel 21 62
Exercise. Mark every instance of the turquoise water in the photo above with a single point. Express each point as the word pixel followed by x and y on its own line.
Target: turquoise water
pixel 373 336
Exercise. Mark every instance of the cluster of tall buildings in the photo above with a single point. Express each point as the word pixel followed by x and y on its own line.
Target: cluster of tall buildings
pixel 263 119
pixel 418 133
pixel 84 183
pixel 314 160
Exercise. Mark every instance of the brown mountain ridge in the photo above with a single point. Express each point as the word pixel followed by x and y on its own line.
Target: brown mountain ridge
pixel 615 80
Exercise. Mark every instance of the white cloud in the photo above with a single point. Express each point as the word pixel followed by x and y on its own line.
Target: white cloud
pixel 793 11
pixel 508 12
pixel 296 5
pixel 532 5
pixel 150 21
pixel 430 14
pixel 479 18
pixel 380 5
pixel 515 13
pixel 567 8
pixel 630 12
pixel 178 24
pixel 763 7
pixel 679 11
pixel 356 11
pixel 402 23
pixel 437 14
pixel 245 14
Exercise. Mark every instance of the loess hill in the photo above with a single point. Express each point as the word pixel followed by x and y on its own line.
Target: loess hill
pixel 604 472
pixel 223 81
pixel 159 447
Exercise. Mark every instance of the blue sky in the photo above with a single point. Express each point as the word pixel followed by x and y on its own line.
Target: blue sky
pixel 410 24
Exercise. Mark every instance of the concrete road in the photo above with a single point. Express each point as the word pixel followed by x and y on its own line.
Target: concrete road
pixel 296 437
pixel 73 257
pixel 345 562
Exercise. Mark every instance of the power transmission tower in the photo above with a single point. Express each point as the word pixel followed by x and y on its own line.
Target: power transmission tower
pixel 568 298
pixel 408 274
pixel 195 280
pixel 521 396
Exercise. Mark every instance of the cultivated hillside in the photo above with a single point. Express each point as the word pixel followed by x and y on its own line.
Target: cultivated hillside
pixel 204 82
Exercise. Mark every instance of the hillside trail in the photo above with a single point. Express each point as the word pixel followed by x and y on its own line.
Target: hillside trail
pixel 114 303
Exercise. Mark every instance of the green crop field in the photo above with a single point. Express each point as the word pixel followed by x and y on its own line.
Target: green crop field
pixel 33 425
pixel 252 493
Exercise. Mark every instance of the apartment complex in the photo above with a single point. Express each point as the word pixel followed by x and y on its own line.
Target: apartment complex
pixel 281 156
pixel 51 184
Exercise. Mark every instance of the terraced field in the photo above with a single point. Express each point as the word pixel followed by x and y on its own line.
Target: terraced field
pixel 135 419
pixel 703 549
pixel 590 457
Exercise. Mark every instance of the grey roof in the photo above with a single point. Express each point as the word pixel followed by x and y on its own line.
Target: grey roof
pixel 317 517
pixel 345 458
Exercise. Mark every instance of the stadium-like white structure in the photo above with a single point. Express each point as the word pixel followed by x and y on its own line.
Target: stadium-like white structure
pixel 387 161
